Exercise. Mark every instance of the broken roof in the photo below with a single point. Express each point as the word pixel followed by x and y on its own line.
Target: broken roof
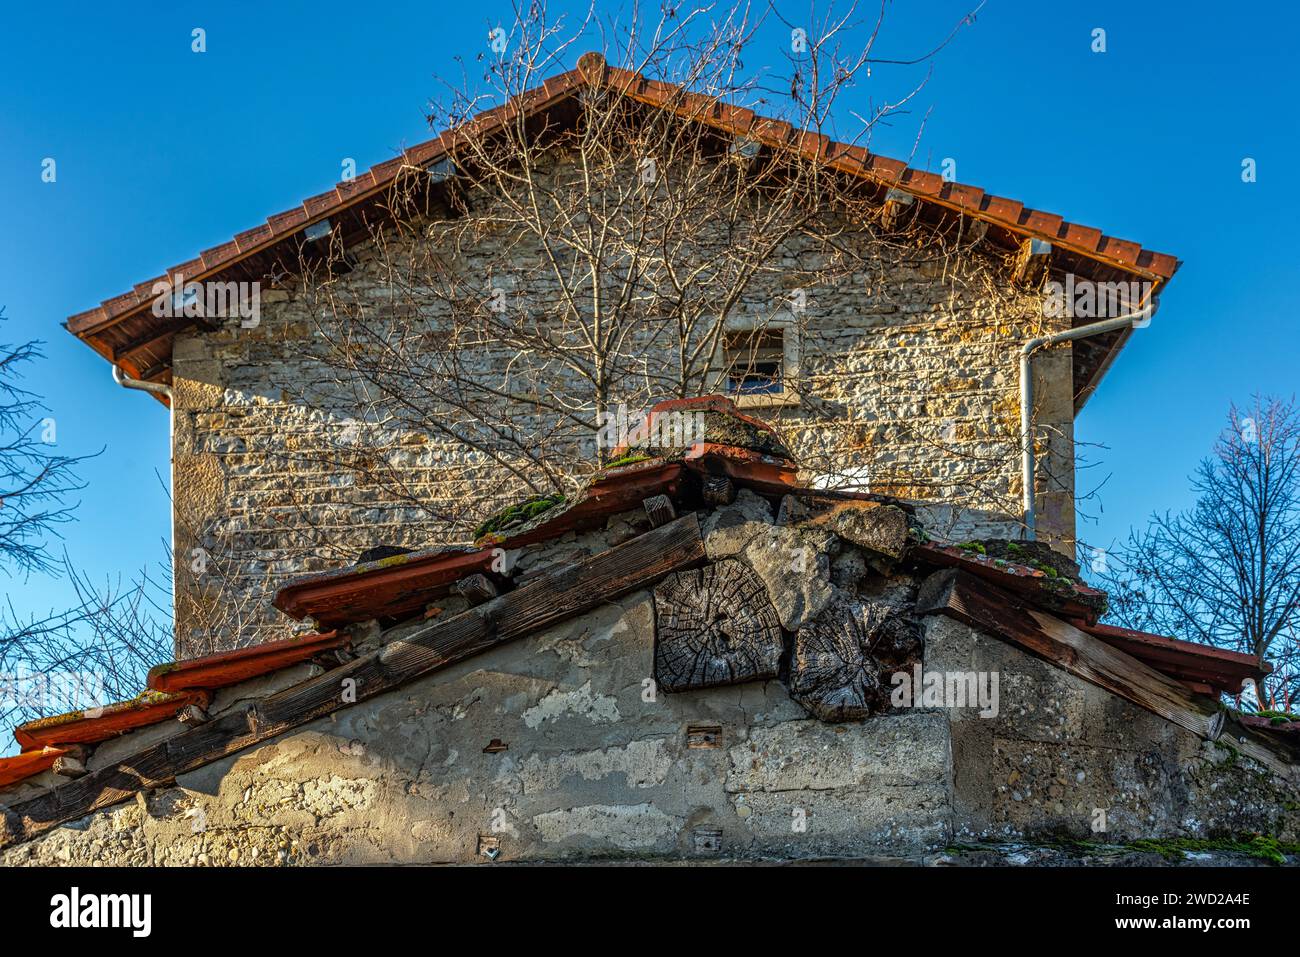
pixel 124 330
pixel 1023 578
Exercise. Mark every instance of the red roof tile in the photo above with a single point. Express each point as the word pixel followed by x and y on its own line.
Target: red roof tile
pixel 27 764
pixel 100 724
pixel 231 667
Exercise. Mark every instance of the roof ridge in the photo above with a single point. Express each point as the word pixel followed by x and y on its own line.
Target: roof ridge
pixel 592 70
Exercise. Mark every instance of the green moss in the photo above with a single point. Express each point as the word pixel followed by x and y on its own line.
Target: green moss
pixel 976 547
pixel 1278 717
pixel 1046 569
pixel 1258 846
pixel 630 459
pixel 519 513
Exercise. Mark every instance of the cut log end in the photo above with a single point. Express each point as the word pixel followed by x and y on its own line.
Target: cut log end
pixel 718 490
pixel 192 715
pixel 475 589
pixel 843 659
pixel 67 766
pixel 715 626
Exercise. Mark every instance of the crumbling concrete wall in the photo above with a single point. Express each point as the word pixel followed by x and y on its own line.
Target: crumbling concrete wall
pixel 559 747
pixel 592 768
pixel 1066 759
pixel 908 379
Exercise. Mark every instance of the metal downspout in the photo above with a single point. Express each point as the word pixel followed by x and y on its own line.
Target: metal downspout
pixel 1028 464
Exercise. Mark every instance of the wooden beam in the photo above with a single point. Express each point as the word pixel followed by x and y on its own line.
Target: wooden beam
pixel 560 594
pixel 153 336
pixel 897 204
pixel 960 595
pixel 475 589
pixel 1032 260
pixel 1058 595
pixel 659 509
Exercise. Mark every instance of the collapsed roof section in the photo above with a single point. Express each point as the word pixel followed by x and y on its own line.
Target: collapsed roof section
pixel 125 331
pixel 1020 592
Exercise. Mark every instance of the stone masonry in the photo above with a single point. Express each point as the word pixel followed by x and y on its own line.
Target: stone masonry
pixel 908 375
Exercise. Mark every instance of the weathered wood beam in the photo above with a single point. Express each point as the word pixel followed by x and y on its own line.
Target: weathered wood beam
pixel 897 204
pixel 962 596
pixel 153 336
pixel 976 230
pixel 475 589
pixel 659 509
pixel 560 594
pixel 1031 262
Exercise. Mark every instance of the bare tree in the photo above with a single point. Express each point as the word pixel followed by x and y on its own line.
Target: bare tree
pixel 93 653
pixel 577 269
pixel 1227 571
pixel 35 481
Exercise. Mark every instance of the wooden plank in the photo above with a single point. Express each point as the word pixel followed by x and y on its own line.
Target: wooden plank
pixel 1198 660
pixel 553 597
pixel 960 595
pixel 1069 598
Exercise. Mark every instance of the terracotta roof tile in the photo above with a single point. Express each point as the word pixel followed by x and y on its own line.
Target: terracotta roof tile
pixel 919 181
pixel 27 764
pixel 251 238
pixel 232 667
pixel 100 724
pixel 287 222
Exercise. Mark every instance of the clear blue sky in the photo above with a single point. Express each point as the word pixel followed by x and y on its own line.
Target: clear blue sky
pixel 162 152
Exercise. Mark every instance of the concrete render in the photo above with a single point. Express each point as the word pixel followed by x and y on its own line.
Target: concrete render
pixel 558 748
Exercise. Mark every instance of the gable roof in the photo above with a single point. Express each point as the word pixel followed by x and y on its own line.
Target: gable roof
pixel 124 330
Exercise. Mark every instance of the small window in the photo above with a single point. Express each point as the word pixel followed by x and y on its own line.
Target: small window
pixel 755 362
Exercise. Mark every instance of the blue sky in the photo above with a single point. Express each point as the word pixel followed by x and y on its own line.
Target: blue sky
pixel 162 152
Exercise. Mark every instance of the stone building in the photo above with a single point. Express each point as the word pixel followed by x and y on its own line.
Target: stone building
pixel 831 622
pixel 900 374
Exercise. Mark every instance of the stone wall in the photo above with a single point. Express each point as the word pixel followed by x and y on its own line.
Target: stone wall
pixel 909 373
